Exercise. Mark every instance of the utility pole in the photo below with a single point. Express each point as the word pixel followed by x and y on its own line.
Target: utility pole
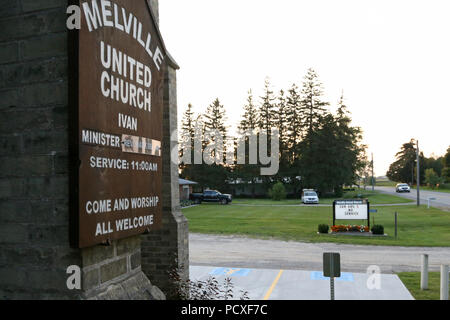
pixel 373 180
pixel 418 175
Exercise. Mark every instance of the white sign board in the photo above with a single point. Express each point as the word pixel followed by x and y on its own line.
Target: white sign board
pixel 351 209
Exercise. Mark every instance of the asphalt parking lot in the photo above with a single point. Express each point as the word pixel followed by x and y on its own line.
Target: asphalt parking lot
pixel 272 284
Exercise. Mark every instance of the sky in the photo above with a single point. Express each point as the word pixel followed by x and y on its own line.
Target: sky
pixel 390 58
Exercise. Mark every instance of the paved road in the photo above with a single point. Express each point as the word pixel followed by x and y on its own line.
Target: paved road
pixel 442 198
pixel 313 205
pixel 241 252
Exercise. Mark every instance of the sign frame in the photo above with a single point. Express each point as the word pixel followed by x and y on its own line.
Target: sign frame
pixel 361 201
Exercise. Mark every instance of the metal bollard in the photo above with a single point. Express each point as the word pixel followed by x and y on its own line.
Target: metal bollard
pixel 444 282
pixel 424 273
pixel 396 224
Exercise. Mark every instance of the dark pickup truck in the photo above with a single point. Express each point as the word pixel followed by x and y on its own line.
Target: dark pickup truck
pixel 210 196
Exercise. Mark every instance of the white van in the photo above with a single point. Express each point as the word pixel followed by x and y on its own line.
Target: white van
pixel 310 196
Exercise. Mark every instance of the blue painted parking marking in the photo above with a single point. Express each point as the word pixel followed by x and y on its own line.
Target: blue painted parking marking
pixel 230 272
pixel 242 272
pixel 345 276
pixel 218 271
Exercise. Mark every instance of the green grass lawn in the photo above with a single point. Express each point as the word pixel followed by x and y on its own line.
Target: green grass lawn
pixel 435 189
pixel 268 202
pixel 411 280
pixel 418 226
pixel 373 196
pixel 385 183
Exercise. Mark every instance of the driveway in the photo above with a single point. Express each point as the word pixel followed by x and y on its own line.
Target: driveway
pixel 241 252
pixel 442 198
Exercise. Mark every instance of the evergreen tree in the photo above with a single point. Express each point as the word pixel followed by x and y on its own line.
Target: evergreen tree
pixel 351 156
pixel 200 128
pixel 403 168
pixel 250 119
pixel 215 119
pixel 283 137
pixel 267 111
pixel 282 125
pixel 188 121
pixel 294 122
pixel 247 173
pixel 187 133
pixel 318 162
pixel 267 121
pixel 208 176
pixel 215 175
pixel 312 106
pixel 332 155
pixel 191 171
pixel 342 112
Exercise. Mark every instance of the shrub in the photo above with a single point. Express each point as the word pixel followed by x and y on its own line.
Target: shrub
pixel 209 289
pixel 378 229
pixel 278 192
pixel 432 178
pixel 185 203
pixel 323 228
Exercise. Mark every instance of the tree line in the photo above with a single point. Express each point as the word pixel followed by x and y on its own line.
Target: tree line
pixel 433 170
pixel 318 148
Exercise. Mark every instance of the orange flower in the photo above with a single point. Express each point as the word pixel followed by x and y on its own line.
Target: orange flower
pixel 344 228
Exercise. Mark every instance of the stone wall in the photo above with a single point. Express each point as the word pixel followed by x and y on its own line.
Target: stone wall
pixel 155 8
pixel 34 186
pixel 168 249
pixel 34 170
pixel 114 272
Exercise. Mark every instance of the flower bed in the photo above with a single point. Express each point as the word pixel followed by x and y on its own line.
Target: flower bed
pixel 349 228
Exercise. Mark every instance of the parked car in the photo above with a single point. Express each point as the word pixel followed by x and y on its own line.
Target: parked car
pixel 210 196
pixel 309 196
pixel 402 187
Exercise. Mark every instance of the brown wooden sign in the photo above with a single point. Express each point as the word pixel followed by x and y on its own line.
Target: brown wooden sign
pixel 120 64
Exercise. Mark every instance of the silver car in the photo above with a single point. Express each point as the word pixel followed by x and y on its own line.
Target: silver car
pixel 402 187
